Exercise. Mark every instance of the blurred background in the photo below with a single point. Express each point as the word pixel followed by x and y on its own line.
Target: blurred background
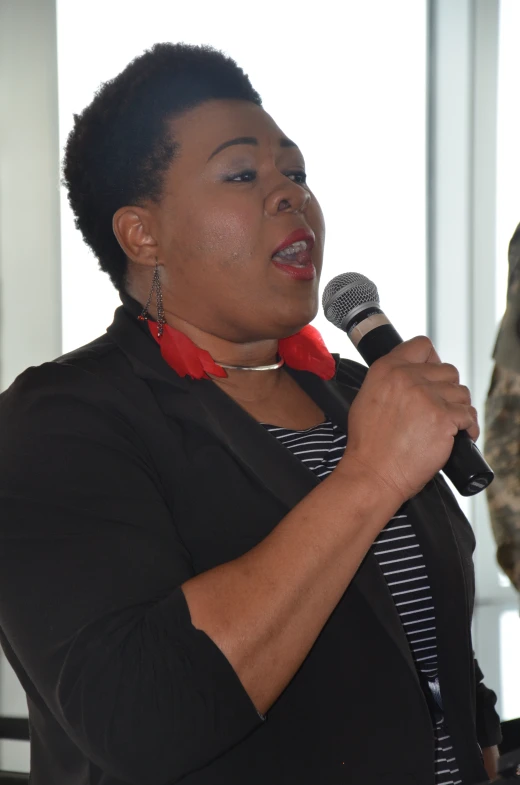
pixel 407 113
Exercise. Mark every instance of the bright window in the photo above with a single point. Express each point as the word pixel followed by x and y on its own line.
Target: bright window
pixel 508 149
pixel 509 649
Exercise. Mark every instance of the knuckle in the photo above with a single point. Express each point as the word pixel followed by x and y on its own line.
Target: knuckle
pixel 465 392
pixel 422 345
pixel 451 371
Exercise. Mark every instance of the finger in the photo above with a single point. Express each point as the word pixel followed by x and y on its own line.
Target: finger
pixel 474 430
pixel 452 392
pixel 465 418
pixel 436 373
pixel 417 350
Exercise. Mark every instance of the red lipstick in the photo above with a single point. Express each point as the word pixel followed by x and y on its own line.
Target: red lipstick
pixel 296 236
pixel 297 262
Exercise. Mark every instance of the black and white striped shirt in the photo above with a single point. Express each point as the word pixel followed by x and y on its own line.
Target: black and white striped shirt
pixel 399 555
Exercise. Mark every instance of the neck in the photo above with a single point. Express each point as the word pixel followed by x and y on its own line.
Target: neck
pixel 251 353
pixel 247 386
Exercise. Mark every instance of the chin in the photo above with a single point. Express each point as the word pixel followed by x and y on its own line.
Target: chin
pixel 296 322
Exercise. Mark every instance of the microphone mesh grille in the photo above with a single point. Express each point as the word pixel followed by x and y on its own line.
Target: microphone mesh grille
pixel 345 293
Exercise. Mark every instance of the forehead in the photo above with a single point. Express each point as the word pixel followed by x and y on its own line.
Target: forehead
pixel 202 129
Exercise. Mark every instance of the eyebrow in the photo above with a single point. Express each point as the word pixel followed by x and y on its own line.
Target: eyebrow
pixel 284 142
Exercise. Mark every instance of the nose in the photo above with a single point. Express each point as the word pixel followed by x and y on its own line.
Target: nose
pixel 289 197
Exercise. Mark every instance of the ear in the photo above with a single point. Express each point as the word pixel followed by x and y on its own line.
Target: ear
pixel 133 228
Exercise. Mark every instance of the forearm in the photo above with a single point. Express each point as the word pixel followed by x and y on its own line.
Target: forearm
pixel 265 609
pixel 491 755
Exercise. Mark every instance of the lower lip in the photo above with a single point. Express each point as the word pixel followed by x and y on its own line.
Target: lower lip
pixel 306 272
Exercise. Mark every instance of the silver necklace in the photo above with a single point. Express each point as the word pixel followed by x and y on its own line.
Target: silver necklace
pixel 271 367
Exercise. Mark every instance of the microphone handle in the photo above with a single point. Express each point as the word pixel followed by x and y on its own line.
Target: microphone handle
pixel 466 467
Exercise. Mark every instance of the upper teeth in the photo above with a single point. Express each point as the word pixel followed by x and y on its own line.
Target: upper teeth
pixel 301 245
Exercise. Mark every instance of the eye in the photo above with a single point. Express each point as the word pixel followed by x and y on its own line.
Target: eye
pixel 297 177
pixel 249 175
pixel 246 176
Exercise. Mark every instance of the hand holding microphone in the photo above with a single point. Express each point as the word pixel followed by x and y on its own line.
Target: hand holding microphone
pixel 411 417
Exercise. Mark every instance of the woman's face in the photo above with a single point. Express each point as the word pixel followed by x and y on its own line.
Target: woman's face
pixel 233 195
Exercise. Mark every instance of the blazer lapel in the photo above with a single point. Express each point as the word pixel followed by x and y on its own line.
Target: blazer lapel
pixel 280 472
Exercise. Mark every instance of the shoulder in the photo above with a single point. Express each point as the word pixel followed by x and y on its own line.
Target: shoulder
pixel 102 358
pixel 98 360
pixel 349 372
pixel 79 380
pixel 70 423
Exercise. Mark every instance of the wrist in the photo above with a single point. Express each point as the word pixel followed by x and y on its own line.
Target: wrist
pixel 377 497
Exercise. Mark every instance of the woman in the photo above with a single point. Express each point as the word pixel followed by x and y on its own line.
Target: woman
pixel 186 596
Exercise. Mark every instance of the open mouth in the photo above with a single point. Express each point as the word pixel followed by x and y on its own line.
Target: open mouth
pixel 295 259
pixel 297 253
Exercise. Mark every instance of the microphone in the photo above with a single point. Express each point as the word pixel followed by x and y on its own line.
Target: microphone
pixel 351 302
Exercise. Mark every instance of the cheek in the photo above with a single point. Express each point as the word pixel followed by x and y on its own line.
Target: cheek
pixel 226 235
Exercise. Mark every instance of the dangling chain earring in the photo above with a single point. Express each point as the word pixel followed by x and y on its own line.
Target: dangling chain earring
pixel 144 315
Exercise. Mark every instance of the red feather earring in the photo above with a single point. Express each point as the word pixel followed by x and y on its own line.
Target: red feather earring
pixel 304 351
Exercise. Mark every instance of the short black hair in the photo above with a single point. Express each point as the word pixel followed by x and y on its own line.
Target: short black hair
pixel 121 144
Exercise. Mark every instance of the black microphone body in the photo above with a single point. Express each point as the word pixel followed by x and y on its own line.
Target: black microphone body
pixel 352 304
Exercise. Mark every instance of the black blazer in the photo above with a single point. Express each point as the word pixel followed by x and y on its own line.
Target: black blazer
pixel 119 481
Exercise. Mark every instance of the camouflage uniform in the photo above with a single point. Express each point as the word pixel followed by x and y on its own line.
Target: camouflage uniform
pixel 502 427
